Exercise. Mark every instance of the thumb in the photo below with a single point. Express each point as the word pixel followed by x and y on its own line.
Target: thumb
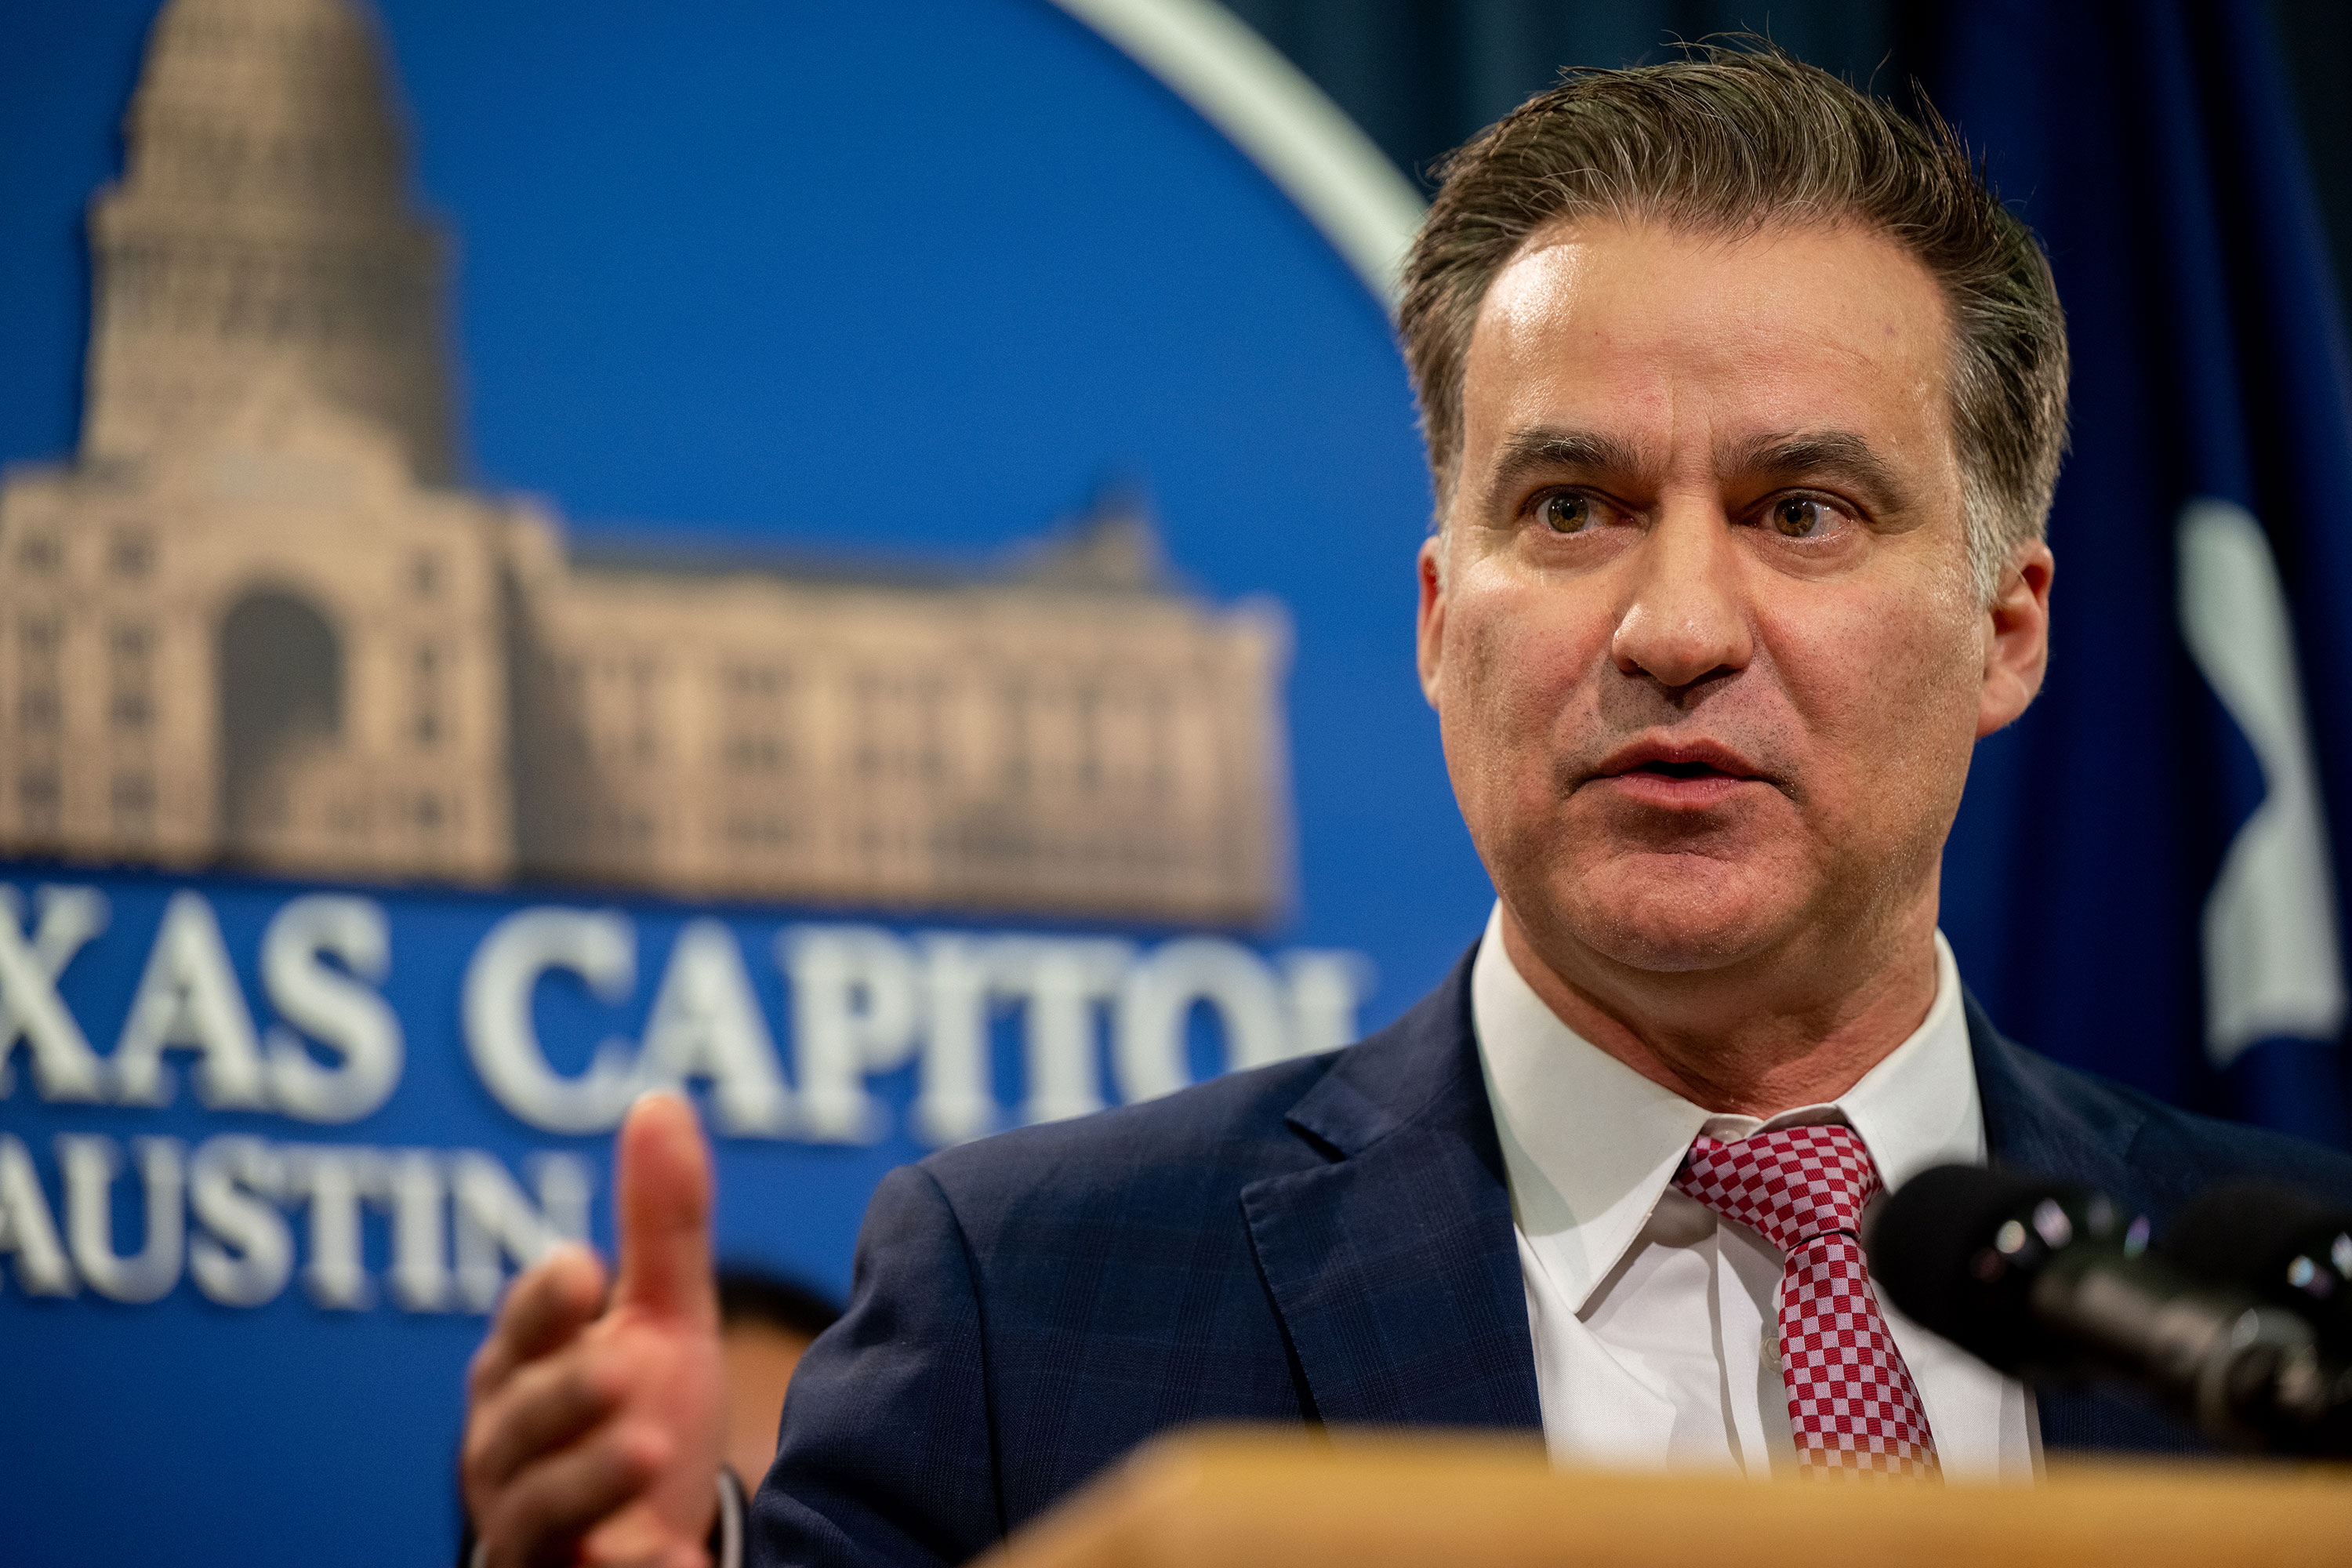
pixel 662 1193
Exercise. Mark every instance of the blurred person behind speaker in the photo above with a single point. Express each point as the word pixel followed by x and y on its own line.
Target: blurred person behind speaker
pixel 765 1324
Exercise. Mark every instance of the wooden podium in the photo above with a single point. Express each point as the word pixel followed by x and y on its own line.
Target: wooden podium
pixel 1241 1497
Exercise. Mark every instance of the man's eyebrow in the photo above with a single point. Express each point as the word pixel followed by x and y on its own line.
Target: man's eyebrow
pixel 1548 448
pixel 1831 454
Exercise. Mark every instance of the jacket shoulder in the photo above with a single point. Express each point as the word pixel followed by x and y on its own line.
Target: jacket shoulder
pixel 1204 1143
pixel 2057 1118
pixel 1213 1137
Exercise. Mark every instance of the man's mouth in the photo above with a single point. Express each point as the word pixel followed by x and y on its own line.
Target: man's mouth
pixel 1682 770
pixel 1689 775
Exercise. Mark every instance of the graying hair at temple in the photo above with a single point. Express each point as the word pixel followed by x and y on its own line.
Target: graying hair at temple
pixel 1734 141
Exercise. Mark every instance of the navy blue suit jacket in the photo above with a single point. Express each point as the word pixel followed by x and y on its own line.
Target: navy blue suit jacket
pixel 1327 1240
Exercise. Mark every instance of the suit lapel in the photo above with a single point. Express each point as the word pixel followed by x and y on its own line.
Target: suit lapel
pixel 1394 1267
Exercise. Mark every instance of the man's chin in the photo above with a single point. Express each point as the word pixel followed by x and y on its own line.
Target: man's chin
pixel 1669 918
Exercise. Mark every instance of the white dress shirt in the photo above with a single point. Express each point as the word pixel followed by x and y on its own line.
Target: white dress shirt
pixel 1655 1323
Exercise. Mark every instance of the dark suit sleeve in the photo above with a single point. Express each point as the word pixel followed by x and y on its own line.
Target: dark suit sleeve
pixel 887 1453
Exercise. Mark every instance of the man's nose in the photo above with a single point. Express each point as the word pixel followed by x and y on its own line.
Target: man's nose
pixel 1683 619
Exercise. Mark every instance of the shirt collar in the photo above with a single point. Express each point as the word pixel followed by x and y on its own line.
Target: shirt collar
pixel 1589 1144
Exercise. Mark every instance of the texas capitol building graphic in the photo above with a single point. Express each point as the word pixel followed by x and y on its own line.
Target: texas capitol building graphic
pixel 256 622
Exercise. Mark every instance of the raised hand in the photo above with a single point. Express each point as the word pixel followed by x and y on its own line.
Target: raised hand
pixel 594 1428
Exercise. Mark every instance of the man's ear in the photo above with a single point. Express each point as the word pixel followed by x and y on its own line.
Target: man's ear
pixel 2017 644
pixel 1429 620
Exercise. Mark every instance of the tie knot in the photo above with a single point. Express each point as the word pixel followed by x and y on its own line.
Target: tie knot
pixel 1788 1185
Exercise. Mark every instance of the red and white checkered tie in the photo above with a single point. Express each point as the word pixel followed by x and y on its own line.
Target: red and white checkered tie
pixel 1852 1403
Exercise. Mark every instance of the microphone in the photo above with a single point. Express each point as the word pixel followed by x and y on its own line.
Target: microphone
pixel 2276 1243
pixel 2045 1281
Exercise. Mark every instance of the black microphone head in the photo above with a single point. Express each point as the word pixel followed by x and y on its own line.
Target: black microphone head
pixel 2283 1246
pixel 1958 1247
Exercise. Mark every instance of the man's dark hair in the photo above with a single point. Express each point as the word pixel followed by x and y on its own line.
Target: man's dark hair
pixel 1733 142
pixel 753 1296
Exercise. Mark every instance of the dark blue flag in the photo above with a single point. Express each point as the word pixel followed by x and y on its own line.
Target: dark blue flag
pixel 2146 880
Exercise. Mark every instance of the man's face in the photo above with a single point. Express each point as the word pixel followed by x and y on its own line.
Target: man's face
pixel 1701 633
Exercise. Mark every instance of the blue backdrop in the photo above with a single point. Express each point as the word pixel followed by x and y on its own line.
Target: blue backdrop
pixel 914 277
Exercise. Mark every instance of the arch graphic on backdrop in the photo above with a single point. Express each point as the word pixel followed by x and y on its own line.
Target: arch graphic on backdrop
pixel 1242 85
pixel 281 703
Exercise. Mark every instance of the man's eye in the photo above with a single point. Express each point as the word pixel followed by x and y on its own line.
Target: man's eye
pixel 1802 517
pixel 1565 513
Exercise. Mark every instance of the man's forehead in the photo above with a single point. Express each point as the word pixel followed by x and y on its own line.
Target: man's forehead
pixel 1597 273
pixel 1630 332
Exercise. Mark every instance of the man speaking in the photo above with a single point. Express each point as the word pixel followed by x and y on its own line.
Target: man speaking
pixel 1744 400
